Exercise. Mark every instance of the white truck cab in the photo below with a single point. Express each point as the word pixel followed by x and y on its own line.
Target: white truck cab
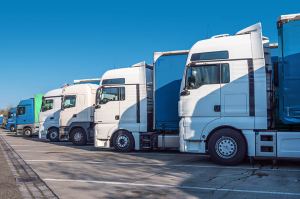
pixel 49 115
pixel 137 107
pixel 77 113
pixel 121 107
pixel 226 105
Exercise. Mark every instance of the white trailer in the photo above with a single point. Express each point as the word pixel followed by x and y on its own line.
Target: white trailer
pixel 77 113
pixel 49 115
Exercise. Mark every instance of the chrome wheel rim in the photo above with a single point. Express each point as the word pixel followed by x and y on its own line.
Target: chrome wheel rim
pixel 27 132
pixel 77 136
pixel 53 135
pixel 226 147
pixel 122 141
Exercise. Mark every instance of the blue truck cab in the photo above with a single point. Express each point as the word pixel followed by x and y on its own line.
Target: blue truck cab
pixel 11 120
pixel 1 120
pixel 27 118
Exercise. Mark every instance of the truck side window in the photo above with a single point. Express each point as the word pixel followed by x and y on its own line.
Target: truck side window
pixel 225 73
pixel 21 110
pixel 69 101
pixel 207 74
pixel 47 104
pixel 110 94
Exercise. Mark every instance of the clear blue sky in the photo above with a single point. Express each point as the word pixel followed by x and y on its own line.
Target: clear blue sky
pixel 44 44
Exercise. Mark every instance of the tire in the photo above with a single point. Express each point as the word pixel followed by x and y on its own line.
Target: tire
pixel 123 141
pixel 78 137
pixel 53 135
pixel 12 128
pixel 227 147
pixel 27 132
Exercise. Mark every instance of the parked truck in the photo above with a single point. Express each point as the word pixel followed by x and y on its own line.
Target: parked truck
pixel 77 113
pixel 49 115
pixel 11 120
pixel 234 103
pixel 136 107
pixel 1 121
pixel 27 119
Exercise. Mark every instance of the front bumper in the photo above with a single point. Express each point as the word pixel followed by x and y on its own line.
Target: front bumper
pixel 42 132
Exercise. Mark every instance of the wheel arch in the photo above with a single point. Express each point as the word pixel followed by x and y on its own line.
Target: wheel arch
pixel 224 127
pixel 26 127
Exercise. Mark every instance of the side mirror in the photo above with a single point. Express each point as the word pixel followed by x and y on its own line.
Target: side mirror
pixel 185 92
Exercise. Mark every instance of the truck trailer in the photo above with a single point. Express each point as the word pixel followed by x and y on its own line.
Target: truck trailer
pixel 49 115
pixel 11 120
pixel 137 107
pixel 235 103
pixel 27 119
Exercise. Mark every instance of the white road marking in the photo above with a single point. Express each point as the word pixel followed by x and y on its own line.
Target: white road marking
pixel 173 186
pixel 112 152
pixel 163 164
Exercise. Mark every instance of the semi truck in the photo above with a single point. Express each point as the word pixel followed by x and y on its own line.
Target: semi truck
pixel 76 121
pixel 1 120
pixel 136 107
pixel 11 120
pixel 27 119
pixel 49 115
pixel 235 103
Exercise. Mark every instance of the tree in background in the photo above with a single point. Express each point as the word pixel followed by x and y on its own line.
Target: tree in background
pixel 4 111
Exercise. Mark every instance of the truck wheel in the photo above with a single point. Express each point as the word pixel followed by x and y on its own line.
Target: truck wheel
pixel 27 132
pixel 78 137
pixel 123 141
pixel 227 147
pixel 53 135
pixel 12 128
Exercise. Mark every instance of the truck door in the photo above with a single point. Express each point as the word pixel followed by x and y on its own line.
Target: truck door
pixel 130 107
pixel 69 112
pixel 108 104
pixel 201 97
pixel 234 89
pixel 21 117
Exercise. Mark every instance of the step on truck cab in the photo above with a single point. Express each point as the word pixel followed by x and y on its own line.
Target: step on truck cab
pixel 77 113
pixel 136 107
pixel 49 115
pixel 11 120
pixel 230 102
pixel 27 119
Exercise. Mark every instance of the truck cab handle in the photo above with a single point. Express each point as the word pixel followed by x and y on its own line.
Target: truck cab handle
pixel 51 118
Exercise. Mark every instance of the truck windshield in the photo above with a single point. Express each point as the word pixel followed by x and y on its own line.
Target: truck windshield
pixel 69 101
pixel 9 115
pixel 47 104
pixel 196 76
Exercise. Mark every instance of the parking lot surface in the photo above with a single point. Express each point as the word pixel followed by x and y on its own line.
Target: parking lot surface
pixel 86 172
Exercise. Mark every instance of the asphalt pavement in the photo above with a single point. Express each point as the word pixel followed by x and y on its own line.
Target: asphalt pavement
pixel 87 172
